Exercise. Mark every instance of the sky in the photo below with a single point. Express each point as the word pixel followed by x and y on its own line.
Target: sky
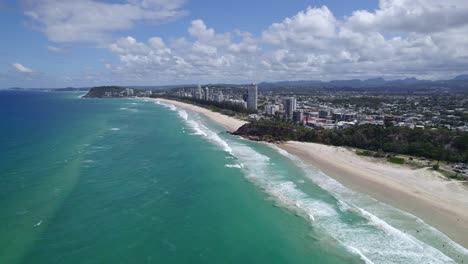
pixel 81 43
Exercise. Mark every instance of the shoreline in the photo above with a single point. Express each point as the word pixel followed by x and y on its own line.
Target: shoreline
pixel 228 122
pixel 440 203
pixel 422 192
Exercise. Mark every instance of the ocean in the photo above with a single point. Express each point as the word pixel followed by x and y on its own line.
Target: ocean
pixel 135 181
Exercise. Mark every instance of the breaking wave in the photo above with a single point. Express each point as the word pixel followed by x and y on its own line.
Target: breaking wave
pixel 362 233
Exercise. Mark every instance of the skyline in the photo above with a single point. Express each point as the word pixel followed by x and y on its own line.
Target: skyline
pixel 158 42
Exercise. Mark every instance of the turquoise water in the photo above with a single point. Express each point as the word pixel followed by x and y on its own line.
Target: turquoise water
pixel 133 181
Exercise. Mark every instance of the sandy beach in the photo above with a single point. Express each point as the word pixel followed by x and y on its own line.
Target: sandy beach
pixel 421 192
pixel 230 123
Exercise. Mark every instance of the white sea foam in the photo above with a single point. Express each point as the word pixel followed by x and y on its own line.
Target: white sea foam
pixel 200 129
pixel 416 249
pixel 183 114
pixel 357 252
pixel 370 238
pixel 239 166
pixel 196 128
pixel 115 129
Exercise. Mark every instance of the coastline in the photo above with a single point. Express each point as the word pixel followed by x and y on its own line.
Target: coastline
pixel 230 123
pixel 440 203
pixel 422 192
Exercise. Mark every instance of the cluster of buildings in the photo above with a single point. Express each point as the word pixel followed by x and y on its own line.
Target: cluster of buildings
pixel 333 109
pixel 329 110
pixel 322 118
pixel 128 92
pixel 248 100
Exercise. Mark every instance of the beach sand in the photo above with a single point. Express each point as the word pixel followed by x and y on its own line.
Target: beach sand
pixel 422 192
pixel 230 123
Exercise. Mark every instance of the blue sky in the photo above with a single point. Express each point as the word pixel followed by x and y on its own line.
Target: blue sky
pixel 94 42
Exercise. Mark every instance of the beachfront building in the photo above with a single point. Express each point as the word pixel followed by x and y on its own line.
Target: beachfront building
pixel 271 109
pixel 206 94
pixel 219 97
pixel 197 92
pixel 252 97
pixel 238 102
pixel 298 116
pixel 290 107
pixel 129 92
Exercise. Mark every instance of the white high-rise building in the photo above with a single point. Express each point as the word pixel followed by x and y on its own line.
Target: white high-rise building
pixel 252 97
pixel 197 93
pixel 271 109
pixel 206 94
pixel 219 96
pixel 129 92
pixel 290 107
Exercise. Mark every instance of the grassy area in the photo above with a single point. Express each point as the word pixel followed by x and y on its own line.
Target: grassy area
pixel 453 175
pixel 396 160
pixel 364 153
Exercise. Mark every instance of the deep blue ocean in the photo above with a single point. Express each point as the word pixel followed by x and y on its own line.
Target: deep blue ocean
pixel 136 181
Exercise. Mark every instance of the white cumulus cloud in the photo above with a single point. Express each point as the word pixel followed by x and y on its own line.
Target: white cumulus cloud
pixel 402 38
pixel 21 68
pixel 94 21
pixel 55 49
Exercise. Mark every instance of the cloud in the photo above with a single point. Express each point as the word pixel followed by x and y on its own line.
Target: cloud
pixel 397 40
pixel 21 69
pixel 93 21
pixel 412 16
pixel 206 35
pixel 311 28
pixel 55 49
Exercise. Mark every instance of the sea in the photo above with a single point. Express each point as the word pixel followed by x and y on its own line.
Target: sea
pixel 137 181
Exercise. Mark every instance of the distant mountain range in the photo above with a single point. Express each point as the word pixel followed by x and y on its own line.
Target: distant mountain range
pixel 459 82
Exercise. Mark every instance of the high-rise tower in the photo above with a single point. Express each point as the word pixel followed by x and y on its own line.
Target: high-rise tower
pixel 290 107
pixel 252 97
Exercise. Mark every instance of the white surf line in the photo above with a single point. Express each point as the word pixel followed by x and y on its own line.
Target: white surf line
pixel 341 192
pixel 376 241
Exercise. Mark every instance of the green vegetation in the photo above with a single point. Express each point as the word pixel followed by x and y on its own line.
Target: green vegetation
pixel 453 175
pixel 364 153
pixel 396 160
pixel 99 92
pixel 440 144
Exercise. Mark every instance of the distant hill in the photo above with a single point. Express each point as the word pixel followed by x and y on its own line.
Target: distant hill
pixel 72 89
pixel 99 92
pixel 461 77
pixel 459 82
